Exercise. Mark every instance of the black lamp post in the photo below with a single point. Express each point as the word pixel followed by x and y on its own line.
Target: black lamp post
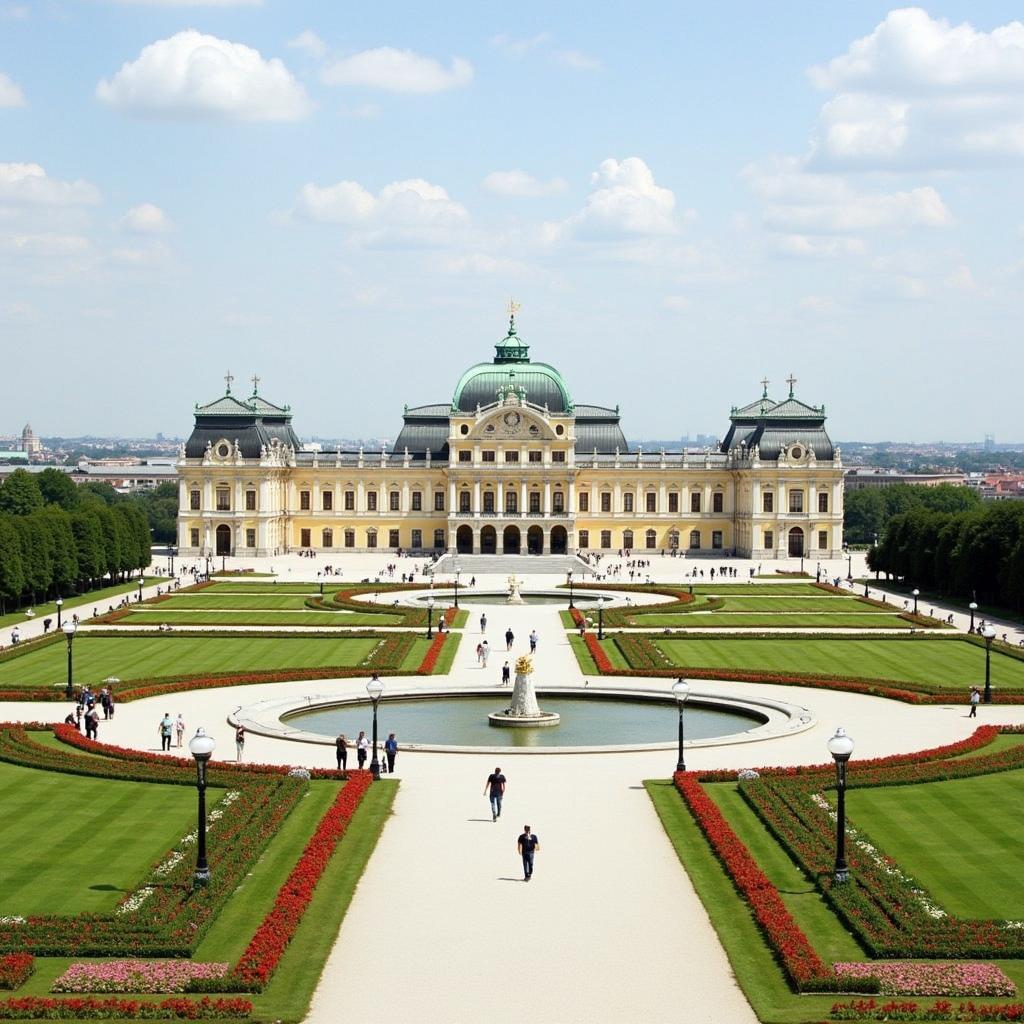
pixel 600 617
pixel 375 688
pixel 681 690
pixel 917 594
pixel 201 747
pixel 223 563
pixel 865 588
pixel 458 569
pixel 849 564
pixel 974 607
pixel 69 632
pixel 141 581
pixel 571 605
pixel 430 617
pixel 321 588
pixel 801 565
pixel 840 747
pixel 60 604
pixel 989 633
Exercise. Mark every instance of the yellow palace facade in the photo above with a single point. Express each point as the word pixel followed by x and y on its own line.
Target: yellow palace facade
pixel 511 465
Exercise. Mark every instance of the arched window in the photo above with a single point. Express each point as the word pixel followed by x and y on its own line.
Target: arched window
pixel 327 538
pixel 651 538
pixel 695 540
pixel 627 538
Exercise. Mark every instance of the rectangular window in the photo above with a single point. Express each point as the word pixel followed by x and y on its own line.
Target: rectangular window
pixel 438 540
pixel 769 539
pixel 695 540
pixel 823 539
pixel 511 456
pixel 438 501
pixel 716 538
pixel 250 501
pixel 606 538
pixel 393 539
pixel 327 538
pixel 627 502
pixel 327 500
pixel 768 501
pixel 584 501
pixel 606 502
pixel 371 501
pixel 193 500
pixel 536 456
pixel 417 504
pixel 417 539
pixel 558 456
pixel 822 501
pixel 583 539
pixel 350 538
pixel 194 538
pixel 250 538
pixel 304 501
pixel 673 501
pixel 717 501
pixel 304 538
pixel 511 503
pixel 350 501
pixel 465 455
pixel 651 501
pixel 371 538
pixel 394 501
pixel 796 501
pixel 488 501
pixel 223 499
pixel 695 501
pixel 488 456
pixel 558 502
pixel 651 539
pixel 464 499
pixel 534 502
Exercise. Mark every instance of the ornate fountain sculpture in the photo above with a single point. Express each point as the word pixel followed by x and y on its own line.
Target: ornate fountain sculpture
pixel 514 597
pixel 524 710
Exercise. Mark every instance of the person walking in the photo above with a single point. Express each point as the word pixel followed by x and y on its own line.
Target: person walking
pixel 164 730
pixel 92 724
pixel 362 746
pixel 495 785
pixel 341 752
pixel 179 727
pixel 527 844
pixel 533 641
pixel 485 653
pixel 975 701
pixel 509 638
pixel 483 623
pixel 391 752
pixel 239 743
pixel 506 673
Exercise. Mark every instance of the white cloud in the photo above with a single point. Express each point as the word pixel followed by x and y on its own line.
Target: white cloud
pixel 519 47
pixel 398 71
pixel 918 91
pixel 626 202
pixel 309 42
pixel 522 185
pixel 484 264
pixel 48 244
pixel 10 92
pixel 146 219
pixel 818 246
pixel 190 3
pixel 19 312
pixel 14 11
pixel 821 305
pixel 29 185
pixel 577 61
pixel 196 75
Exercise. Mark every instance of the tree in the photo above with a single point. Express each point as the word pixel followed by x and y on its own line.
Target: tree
pixel 20 494
pixel 100 489
pixel 64 567
pixel 58 488
pixel 12 575
pixel 88 534
pixel 36 555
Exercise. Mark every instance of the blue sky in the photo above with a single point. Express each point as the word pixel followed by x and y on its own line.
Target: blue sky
pixel 341 198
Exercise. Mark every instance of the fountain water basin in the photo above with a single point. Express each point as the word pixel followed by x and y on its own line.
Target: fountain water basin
pixel 524 712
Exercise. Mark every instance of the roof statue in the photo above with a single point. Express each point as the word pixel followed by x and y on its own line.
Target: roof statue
pixel 227 382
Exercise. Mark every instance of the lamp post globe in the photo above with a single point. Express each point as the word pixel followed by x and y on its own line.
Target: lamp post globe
pixel 60 604
pixel 840 746
pixel 988 631
pixel 69 633
pixel 201 747
pixel 430 617
pixel 917 594
pixel 375 688
pixel 974 607
pixel 681 690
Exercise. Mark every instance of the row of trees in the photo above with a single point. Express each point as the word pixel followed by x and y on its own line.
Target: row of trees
pixel 975 555
pixel 57 538
pixel 867 511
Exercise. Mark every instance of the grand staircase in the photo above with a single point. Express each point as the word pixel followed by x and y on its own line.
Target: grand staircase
pixel 505 565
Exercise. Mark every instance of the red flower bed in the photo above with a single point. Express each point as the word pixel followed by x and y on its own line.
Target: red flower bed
pixel 433 653
pixel 16 969
pixel 84 1007
pixel 604 666
pixel 261 957
pixel 577 617
pixel 941 1009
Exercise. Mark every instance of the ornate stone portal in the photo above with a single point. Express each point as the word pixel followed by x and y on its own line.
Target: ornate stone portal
pixel 524 711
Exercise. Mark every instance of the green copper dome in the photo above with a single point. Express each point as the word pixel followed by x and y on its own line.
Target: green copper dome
pixel 512 369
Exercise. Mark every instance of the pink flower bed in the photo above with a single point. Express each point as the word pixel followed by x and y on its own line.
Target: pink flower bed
pixel 135 976
pixel 898 978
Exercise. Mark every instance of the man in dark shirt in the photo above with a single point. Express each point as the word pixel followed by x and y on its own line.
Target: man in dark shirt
pixel 527 845
pixel 509 638
pixel 496 784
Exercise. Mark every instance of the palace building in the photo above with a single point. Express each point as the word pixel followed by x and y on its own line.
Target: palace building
pixel 511 465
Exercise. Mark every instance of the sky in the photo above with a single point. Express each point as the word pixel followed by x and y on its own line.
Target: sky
pixel 342 198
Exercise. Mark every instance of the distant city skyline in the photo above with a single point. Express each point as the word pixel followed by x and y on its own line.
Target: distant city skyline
pixel 341 200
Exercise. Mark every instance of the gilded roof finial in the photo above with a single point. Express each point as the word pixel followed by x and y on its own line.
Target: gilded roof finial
pixel 513 308
pixel 227 380
pixel 791 381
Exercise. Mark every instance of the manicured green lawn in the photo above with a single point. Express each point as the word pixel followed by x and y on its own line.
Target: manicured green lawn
pixel 945 663
pixel 205 600
pixel 262 587
pixel 765 620
pixel 755 589
pixel 243 617
pixel 824 603
pixel 144 657
pixel 100 599
pixel 70 844
pixel 963 840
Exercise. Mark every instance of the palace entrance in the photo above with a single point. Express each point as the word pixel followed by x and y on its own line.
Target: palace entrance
pixel 535 541
pixel 464 540
pixel 488 541
pixel 796 542
pixel 510 541
pixel 223 540
pixel 559 540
